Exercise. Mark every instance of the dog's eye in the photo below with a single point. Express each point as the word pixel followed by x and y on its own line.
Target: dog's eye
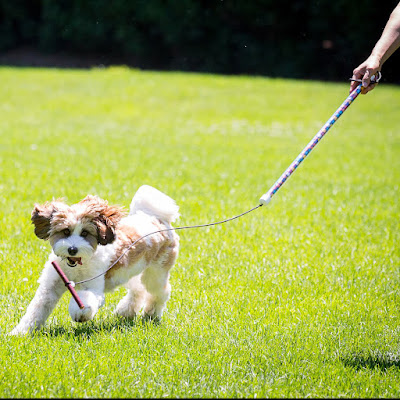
pixel 84 233
pixel 66 232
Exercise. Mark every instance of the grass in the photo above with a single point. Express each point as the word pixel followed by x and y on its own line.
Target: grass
pixel 297 299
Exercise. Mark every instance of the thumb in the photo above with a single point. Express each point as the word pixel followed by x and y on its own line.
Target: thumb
pixel 366 79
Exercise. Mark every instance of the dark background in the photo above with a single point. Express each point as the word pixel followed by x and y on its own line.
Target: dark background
pixel 315 39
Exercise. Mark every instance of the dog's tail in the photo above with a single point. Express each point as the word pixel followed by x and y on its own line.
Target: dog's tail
pixel 153 202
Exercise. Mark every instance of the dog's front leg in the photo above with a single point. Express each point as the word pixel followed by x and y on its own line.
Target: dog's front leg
pixel 92 298
pixel 40 307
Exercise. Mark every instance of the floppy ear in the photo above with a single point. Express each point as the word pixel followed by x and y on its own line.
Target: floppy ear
pixel 105 216
pixel 105 231
pixel 41 217
pixel 107 223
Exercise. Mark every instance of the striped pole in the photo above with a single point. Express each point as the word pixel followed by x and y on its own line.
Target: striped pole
pixel 266 198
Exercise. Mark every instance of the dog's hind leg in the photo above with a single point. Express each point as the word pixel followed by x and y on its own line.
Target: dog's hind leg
pixel 155 279
pixel 132 303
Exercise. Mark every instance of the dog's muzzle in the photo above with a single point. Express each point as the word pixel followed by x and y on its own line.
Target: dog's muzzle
pixel 74 261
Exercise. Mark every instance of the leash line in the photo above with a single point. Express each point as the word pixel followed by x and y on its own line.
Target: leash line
pixel 178 228
pixel 266 198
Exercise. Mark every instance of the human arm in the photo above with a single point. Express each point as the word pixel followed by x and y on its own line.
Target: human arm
pixel 388 43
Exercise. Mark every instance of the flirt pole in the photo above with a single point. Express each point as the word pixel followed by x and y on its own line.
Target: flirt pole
pixel 266 198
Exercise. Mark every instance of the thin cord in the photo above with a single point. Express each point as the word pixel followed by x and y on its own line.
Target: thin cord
pixel 166 230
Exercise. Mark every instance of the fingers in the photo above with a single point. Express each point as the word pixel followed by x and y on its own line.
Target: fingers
pixel 358 73
pixel 366 79
pixel 364 72
pixel 353 85
pixel 365 90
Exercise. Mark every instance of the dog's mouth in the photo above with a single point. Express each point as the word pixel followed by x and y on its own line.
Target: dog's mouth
pixel 73 261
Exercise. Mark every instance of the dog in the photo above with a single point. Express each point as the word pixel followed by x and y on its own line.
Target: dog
pixel 87 237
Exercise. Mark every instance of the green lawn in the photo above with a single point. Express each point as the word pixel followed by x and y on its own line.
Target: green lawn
pixel 300 298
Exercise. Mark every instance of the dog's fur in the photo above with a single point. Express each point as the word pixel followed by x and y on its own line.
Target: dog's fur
pixel 90 235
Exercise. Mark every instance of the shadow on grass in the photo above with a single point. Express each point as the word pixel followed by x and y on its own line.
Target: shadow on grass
pixel 87 329
pixel 375 360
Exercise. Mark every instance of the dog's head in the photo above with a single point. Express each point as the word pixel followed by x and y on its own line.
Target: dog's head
pixel 75 231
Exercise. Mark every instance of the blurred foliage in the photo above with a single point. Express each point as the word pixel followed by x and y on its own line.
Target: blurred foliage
pixel 298 39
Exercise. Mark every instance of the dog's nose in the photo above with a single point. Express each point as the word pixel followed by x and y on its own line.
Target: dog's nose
pixel 72 250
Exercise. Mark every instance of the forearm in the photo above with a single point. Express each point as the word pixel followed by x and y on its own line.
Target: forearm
pixel 389 42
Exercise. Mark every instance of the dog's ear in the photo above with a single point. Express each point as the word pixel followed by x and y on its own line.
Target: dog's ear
pixel 105 216
pixel 105 231
pixel 41 217
pixel 107 223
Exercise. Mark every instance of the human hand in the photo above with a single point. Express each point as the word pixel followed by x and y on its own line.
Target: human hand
pixel 364 72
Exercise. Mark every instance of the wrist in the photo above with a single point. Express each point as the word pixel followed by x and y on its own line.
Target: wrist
pixel 375 61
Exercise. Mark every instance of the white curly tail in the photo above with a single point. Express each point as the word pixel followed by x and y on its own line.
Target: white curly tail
pixel 153 202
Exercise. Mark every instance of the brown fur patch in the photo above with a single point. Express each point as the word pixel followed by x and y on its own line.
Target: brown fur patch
pixel 104 215
pixel 151 248
pixel 126 236
pixel 55 216
pixel 42 215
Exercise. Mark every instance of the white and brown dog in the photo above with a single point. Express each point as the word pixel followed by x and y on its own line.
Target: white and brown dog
pixel 87 237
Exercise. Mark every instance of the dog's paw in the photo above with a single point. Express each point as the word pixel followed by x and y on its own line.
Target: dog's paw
pixel 126 308
pixel 152 314
pixel 92 303
pixel 83 315
pixel 18 331
pixel 125 313
pixel 153 311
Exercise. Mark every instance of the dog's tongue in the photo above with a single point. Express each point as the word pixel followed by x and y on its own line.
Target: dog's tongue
pixel 76 259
